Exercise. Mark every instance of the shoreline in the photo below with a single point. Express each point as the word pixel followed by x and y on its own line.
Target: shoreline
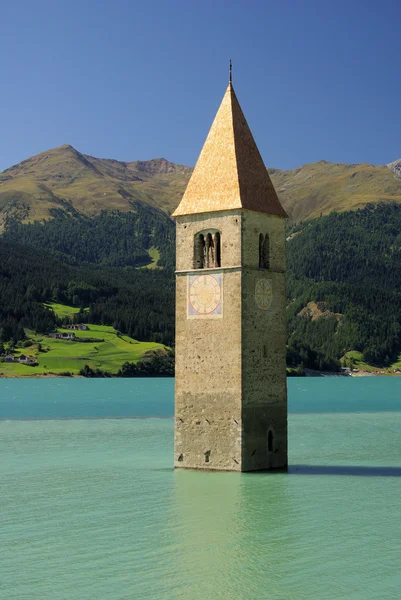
pixel 313 373
pixel 307 373
pixel 77 376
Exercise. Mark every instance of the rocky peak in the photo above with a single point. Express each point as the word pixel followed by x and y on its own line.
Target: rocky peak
pixel 158 166
pixel 395 167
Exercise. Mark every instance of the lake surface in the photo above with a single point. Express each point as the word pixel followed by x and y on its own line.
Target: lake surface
pixel 91 509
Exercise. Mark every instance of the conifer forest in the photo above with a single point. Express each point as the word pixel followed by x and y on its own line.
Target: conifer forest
pixel 343 280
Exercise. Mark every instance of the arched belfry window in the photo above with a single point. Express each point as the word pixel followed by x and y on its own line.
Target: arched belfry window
pixel 264 251
pixel 207 250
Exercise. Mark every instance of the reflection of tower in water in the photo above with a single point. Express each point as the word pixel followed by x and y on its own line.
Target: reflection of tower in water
pixel 225 528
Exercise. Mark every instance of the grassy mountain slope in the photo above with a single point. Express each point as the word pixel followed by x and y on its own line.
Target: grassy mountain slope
pixel 63 178
pixel 319 188
pixel 108 351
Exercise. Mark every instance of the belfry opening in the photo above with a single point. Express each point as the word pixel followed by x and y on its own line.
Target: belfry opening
pixel 207 250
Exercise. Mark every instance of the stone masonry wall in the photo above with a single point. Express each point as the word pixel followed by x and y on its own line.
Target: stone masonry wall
pixel 230 370
pixel 208 355
pixel 264 387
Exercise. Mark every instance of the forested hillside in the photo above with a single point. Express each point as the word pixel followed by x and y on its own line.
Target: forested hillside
pixel 139 302
pixel 111 238
pixel 344 286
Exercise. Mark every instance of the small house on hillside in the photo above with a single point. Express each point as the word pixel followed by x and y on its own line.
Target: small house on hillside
pixel 8 358
pixel 77 327
pixel 67 336
pixel 62 336
pixel 27 360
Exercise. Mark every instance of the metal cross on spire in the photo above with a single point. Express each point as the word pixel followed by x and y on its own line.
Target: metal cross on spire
pixel 231 72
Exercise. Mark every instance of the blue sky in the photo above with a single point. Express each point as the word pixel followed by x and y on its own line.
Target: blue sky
pixel 137 80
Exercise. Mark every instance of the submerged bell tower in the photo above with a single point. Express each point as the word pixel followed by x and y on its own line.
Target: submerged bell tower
pixel 230 381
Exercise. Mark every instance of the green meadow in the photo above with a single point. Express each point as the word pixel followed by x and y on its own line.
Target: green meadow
pixel 62 310
pixel 59 357
pixel 358 363
pixel 154 255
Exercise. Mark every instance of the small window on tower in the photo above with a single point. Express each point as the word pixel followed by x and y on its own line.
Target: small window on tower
pixel 264 251
pixel 260 249
pixel 207 456
pixel 270 441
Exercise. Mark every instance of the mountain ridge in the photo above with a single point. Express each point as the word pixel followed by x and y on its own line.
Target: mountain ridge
pixel 64 178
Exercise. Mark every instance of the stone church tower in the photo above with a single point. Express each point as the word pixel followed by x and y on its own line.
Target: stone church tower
pixel 230 386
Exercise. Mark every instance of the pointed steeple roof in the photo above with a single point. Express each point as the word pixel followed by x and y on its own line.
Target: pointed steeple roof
pixel 230 173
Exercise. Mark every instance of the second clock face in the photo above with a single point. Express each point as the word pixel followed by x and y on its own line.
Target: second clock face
pixel 263 293
pixel 205 295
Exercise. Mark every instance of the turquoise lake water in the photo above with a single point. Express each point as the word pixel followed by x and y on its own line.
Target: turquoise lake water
pixel 91 508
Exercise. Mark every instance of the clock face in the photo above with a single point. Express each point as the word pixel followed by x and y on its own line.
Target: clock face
pixel 263 293
pixel 205 295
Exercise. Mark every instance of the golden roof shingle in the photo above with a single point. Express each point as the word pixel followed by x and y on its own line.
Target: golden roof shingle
pixel 230 172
